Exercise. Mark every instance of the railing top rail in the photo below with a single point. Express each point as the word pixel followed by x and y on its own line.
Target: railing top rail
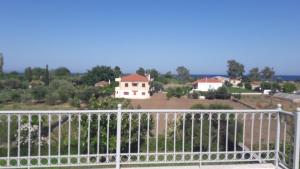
pixel 141 111
pixel 287 112
pixel 56 111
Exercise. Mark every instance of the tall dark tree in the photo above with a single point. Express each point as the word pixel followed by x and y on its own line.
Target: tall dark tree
pixel 46 78
pixel 1 63
pixel 235 69
pixel 141 71
pixel 117 71
pixel 254 74
pixel 183 73
pixel 267 73
pixel 28 74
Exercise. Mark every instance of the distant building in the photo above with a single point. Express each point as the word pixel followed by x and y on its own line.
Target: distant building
pixel 222 78
pixel 207 84
pixel 255 84
pixel 102 84
pixel 133 86
pixel 235 82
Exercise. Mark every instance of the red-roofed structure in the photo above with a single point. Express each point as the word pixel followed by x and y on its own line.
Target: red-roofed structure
pixel 134 78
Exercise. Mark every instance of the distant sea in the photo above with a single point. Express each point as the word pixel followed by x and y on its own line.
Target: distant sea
pixel 279 77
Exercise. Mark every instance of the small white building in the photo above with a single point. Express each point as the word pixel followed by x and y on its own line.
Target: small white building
pixel 235 82
pixel 207 84
pixel 133 86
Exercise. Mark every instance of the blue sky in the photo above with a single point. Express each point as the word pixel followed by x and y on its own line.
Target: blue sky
pixel 201 35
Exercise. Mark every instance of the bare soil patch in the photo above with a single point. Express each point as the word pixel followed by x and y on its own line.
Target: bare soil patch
pixel 160 101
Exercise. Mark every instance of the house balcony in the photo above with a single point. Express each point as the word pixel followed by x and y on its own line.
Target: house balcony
pixel 123 138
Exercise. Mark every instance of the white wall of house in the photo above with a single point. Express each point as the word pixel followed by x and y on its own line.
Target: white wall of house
pixel 133 90
pixel 204 87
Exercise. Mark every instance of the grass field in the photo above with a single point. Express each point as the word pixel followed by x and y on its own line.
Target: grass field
pixel 40 106
pixel 239 90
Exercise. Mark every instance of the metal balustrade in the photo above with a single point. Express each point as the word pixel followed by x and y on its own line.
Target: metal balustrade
pixel 31 139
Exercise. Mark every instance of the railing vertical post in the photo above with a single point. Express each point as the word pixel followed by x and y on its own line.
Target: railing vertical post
pixel 297 140
pixel 118 148
pixel 277 145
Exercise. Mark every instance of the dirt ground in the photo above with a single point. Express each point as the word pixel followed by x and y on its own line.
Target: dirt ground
pixel 269 102
pixel 160 101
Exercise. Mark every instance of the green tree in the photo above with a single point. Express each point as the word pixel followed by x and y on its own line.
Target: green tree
pixel 156 86
pixel 99 73
pixel 38 73
pixel 248 85
pixel 235 69
pixel 28 74
pixel 141 71
pixel 289 87
pixel 254 74
pixel 62 71
pixel 183 73
pixel 153 73
pixel 268 73
pixel 111 103
pixel 64 89
pixel 117 71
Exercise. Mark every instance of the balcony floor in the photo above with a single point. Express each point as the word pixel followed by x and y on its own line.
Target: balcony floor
pixel 237 166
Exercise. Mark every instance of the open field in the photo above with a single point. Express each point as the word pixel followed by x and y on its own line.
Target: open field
pixel 40 106
pixel 160 101
pixel 267 102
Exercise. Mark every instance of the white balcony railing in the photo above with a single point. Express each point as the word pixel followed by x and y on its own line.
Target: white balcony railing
pixel 31 139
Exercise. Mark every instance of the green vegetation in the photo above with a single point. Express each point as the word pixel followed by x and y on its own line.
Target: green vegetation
pixel 289 87
pixel 177 92
pixel 238 90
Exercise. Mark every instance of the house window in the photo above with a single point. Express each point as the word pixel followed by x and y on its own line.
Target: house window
pixel 143 93
pixel 143 85
pixel 134 84
pixel 126 93
pixel 126 84
pixel 134 92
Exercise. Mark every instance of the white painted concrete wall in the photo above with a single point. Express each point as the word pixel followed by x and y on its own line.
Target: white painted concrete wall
pixel 204 87
pixel 134 92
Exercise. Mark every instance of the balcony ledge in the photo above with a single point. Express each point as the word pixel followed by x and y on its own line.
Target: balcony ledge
pixel 232 166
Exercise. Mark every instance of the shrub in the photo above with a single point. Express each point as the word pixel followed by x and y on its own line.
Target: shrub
pixel 177 92
pixel 289 87
pixel 211 94
pixel 265 85
pixel 12 84
pixel 222 93
pixel 194 95
pixel 87 93
pixel 39 92
pixel 52 98
pixel 198 106
pixel 237 96
pixel 248 86
pixel 26 97
pixel 63 88
pixel 218 106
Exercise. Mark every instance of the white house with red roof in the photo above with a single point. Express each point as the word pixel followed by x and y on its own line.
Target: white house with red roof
pixel 133 86
pixel 206 84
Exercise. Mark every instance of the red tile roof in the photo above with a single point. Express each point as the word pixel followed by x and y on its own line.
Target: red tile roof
pixel 134 78
pixel 208 80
